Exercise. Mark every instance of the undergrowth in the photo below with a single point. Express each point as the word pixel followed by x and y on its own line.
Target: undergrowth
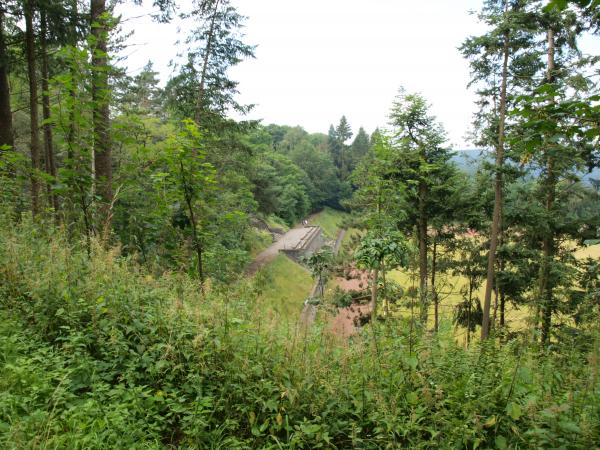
pixel 96 353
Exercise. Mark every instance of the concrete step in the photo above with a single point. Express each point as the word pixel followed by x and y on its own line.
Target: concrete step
pixel 305 241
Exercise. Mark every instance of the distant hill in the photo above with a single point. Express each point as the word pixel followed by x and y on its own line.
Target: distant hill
pixel 468 160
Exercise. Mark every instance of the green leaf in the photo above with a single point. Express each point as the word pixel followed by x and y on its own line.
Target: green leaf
pixel 555 4
pixel 412 362
pixel 514 410
pixel 568 426
pixel 412 398
pixel 501 442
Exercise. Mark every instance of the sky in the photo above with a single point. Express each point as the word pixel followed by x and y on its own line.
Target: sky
pixel 317 60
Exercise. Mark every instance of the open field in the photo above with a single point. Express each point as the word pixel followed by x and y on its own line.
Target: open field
pixel 593 251
pixel 449 288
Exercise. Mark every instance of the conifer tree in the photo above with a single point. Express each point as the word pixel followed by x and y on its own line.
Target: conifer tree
pixel 421 164
pixel 100 27
pixel 359 148
pixel 6 127
pixel 203 90
pixel 491 56
pixel 30 50
pixel 556 137
pixel 343 134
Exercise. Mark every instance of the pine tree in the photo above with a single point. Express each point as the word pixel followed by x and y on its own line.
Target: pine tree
pixel 421 164
pixel 6 127
pixel 491 56
pixel 555 136
pixel 202 90
pixel 343 134
pixel 359 148
pixel 100 27
pixel 30 49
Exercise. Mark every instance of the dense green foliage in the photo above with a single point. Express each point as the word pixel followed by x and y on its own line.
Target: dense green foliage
pixel 96 354
pixel 186 179
pixel 129 213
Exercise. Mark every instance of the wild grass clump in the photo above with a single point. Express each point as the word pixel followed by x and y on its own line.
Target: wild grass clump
pixel 96 353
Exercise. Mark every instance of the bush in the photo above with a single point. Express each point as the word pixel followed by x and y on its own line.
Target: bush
pixel 95 353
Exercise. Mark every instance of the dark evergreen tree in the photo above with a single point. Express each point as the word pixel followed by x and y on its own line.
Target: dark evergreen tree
pixel 555 136
pixel 422 165
pixel 500 60
pixel 6 128
pixel 359 148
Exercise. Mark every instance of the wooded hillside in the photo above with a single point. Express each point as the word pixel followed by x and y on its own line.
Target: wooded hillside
pixel 450 307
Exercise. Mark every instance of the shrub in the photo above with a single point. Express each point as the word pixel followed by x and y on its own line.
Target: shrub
pixel 95 353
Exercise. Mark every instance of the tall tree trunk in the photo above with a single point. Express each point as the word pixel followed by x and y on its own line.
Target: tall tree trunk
pixel 101 118
pixel 386 301
pixel 33 106
pixel 436 305
pixel 495 313
pixel 207 51
pixel 72 91
pixel 497 215
pixel 195 238
pixel 48 144
pixel 73 162
pixel 546 289
pixel 422 232
pixel 6 127
pixel 198 119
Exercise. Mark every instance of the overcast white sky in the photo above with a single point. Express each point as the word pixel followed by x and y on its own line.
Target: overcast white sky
pixel 319 59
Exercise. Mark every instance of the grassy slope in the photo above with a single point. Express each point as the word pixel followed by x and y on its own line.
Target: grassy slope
pixel 275 222
pixel 259 241
pixel 287 284
pixel 350 234
pixel 329 220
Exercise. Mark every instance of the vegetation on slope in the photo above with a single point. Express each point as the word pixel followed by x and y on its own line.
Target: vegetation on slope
pixel 284 285
pixel 330 220
pixel 126 224
pixel 97 354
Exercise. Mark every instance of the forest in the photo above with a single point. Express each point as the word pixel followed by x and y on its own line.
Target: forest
pixel 147 294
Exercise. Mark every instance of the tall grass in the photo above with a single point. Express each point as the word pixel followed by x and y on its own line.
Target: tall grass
pixel 96 353
pixel 284 285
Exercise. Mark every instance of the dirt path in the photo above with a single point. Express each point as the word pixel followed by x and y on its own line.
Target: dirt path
pixel 344 323
pixel 288 240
